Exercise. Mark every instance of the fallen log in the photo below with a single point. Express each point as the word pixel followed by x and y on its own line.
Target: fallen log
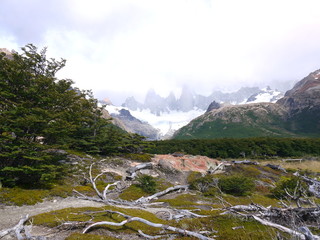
pixel 156 225
pixel 132 171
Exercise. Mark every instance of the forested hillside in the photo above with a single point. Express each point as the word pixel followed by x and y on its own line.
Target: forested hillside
pixel 240 148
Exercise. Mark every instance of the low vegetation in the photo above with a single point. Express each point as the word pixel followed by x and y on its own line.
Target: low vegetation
pixel 254 148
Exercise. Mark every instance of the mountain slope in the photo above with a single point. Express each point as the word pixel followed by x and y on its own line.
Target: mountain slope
pixel 303 105
pixel 296 114
pixel 122 118
pixel 248 120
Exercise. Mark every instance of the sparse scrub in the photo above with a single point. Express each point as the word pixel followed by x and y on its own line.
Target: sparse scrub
pixel 290 184
pixel 147 183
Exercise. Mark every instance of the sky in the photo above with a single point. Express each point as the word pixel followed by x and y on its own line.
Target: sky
pixel 120 48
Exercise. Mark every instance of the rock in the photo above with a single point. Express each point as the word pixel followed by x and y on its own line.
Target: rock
pixel 213 105
pixel 185 163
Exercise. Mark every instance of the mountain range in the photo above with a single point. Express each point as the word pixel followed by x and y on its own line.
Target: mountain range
pixel 297 114
pixel 159 117
pixel 189 100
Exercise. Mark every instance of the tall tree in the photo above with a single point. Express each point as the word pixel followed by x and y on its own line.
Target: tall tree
pixel 38 111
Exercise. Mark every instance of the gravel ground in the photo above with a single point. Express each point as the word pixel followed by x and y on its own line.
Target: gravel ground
pixel 10 215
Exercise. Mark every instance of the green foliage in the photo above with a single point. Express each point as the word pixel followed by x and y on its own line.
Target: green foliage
pixel 147 183
pixel 19 197
pixel 237 185
pixel 290 184
pixel 141 157
pixel 39 111
pixel 206 184
pixel 238 148
pixel 132 193
pixel 54 218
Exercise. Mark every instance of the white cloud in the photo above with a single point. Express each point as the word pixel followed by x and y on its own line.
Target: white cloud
pixel 132 45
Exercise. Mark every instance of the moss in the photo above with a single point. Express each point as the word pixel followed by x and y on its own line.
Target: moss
pixel 248 229
pixel 19 197
pixel 55 218
pixel 132 193
pixel 193 176
pixel 253 198
pixel 80 236
pixel 182 200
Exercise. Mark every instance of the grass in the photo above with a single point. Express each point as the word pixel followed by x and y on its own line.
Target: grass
pixel 55 218
pixel 311 165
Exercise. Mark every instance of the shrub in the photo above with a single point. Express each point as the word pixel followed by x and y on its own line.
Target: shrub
pixel 140 157
pixel 204 184
pixel 289 184
pixel 147 183
pixel 237 185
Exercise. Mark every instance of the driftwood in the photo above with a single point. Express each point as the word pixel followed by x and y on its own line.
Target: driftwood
pixel 140 203
pixel 21 231
pixel 219 167
pixel 102 195
pixel 314 185
pixel 159 194
pixel 156 225
pixel 248 162
pixel 17 229
pixel 132 171
pixel 281 219
pixel 276 167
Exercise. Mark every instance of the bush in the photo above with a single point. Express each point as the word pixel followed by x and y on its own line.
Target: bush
pixel 147 183
pixel 140 157
pixel 204 184
pixel 237 185
pixel 289 184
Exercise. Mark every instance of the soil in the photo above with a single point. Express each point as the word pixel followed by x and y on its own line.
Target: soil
pixel 10 215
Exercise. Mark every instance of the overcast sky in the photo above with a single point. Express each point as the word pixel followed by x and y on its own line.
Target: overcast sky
pixel 127 46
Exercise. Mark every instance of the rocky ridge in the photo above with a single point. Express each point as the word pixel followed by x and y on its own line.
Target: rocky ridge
pixel 296 114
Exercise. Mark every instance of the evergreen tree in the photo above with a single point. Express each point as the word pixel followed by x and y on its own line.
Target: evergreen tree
pixel 39 111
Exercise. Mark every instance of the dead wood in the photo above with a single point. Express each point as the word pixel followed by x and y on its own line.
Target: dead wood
pixel 21 231
pixel 143 200
pixel 314 185
pixel 282 218
pixel 156 225
pixel 276 167
pixel 132 171
pixel 247 162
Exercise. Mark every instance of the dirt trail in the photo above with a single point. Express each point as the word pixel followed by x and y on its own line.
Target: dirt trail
pixel 10 215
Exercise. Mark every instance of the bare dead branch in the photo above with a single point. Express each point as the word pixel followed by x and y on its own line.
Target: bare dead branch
pixel 162 193
pixel 156 225
pixel 132 171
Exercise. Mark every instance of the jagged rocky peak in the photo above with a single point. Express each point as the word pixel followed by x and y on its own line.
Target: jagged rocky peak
pixel 308 84
pixel 265 95
pixel 213 105
pixel 6 52
pixel 131 103
pixel 123 113
pixel 171 101
pixel 305 94
pixel 155 103
pixel 186 100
